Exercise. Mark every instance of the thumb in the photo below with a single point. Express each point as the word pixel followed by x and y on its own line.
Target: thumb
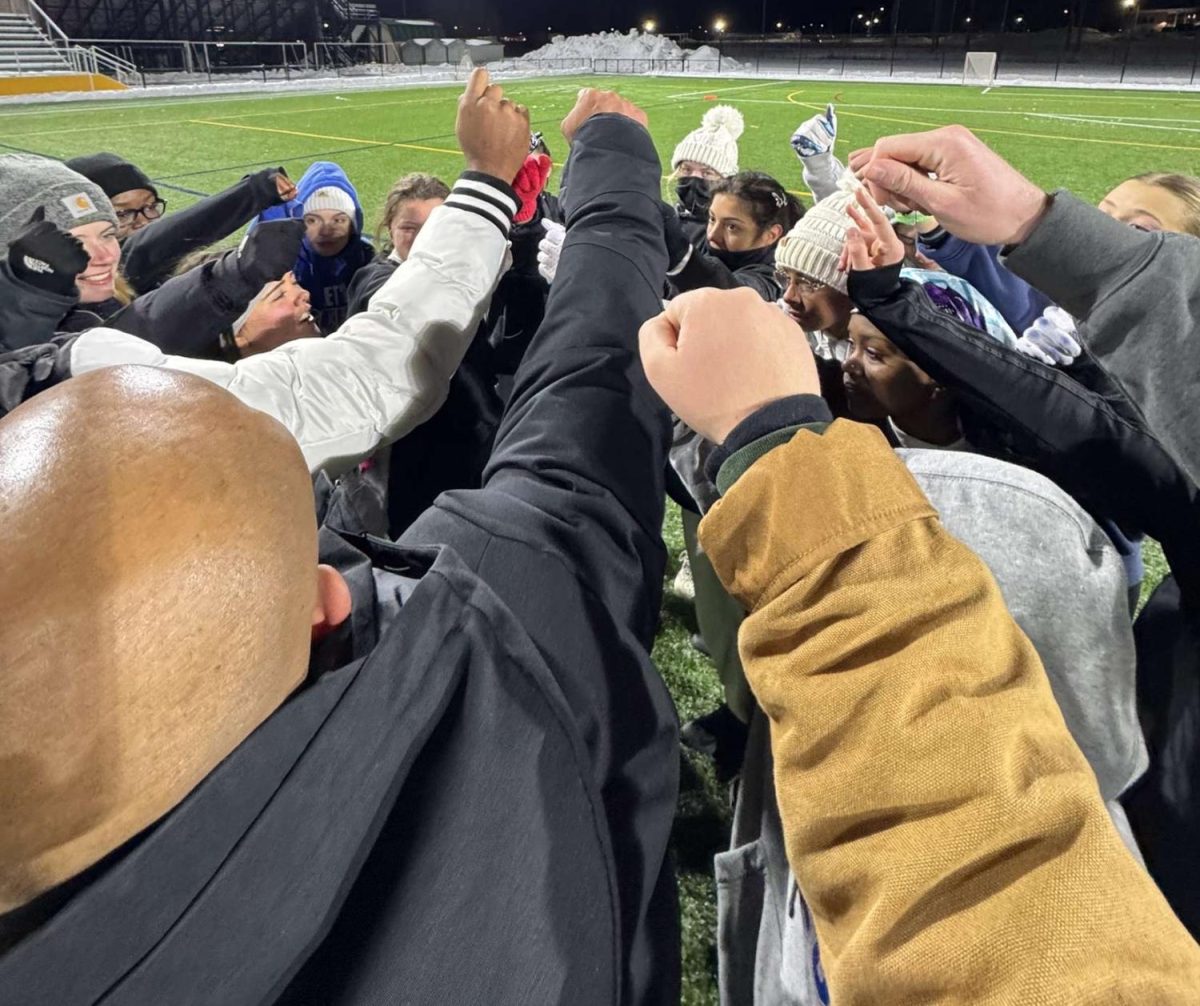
pixel 899 179
pixel 658 342
pixel 38 215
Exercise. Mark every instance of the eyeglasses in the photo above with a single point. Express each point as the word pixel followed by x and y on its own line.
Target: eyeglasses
pixel 806 285
pixel 151 211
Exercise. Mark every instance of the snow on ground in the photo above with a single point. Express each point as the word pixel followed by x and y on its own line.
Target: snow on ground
pixel 606 52
pixel 614 45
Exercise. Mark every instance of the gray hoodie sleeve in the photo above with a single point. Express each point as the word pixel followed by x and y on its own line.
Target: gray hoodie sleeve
pixel 1139 294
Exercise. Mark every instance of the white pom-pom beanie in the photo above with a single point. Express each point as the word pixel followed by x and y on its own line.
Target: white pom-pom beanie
pixel 714 144
pixel 814 246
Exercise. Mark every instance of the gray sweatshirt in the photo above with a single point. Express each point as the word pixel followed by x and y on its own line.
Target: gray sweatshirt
pixel 1139 294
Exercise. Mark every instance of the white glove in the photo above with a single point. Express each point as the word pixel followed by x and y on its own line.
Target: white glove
pixel 817 135
pixel 1051 339
pixel 549 248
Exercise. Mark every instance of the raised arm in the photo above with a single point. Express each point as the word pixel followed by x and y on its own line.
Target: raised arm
pixel 388 369
pixel 1139 293
pixel 150 255
pixel 943 826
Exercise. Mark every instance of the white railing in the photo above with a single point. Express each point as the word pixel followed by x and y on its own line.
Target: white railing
pixel 81 59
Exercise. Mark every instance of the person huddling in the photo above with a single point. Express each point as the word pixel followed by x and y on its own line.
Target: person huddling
pixel 61 268
pixel 703 157
pixel 153 243
pixel 747 215
pixel 266 762
pixel 409 202
pixel 334 249
pixel 944 828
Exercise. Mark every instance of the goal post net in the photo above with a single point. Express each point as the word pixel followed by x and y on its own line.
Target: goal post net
pixel 979 68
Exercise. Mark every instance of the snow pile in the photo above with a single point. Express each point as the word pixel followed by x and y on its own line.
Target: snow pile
pixel 613 45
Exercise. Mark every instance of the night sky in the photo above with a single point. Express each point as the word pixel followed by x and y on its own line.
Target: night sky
pixel 536 17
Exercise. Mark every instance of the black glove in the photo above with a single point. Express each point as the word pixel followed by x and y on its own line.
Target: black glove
pixel 47 258
pixel 678 246
pixel 270 250
pixel 262 185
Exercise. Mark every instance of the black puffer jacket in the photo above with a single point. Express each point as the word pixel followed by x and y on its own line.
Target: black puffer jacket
pixel 149 256
pixel 1019 410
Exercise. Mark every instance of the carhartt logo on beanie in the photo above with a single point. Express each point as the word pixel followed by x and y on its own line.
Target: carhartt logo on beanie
pixel 330 198
pixel 66 199
pixel 714 144
pixel 814 246
pixel 112 173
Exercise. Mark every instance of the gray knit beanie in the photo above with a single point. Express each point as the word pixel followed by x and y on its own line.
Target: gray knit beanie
pixel 66 199
pixel 814 246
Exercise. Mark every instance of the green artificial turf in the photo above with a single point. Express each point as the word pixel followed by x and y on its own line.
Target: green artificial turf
pixel 1086 141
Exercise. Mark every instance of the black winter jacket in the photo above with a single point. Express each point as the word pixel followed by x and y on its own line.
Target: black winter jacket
pixel 458 806
pixel 1017 409
pixel 149 256
pixel 711 267
pixel 183 317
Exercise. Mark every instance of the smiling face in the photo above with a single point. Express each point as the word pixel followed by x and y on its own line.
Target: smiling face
pixel 97 282
pixel 281 314
pixel 328 231
pixel 814 306
pixel 1150 207
pixel 407 221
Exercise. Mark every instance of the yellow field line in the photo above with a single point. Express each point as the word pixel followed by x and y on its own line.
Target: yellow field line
pixel 1004 132
pixel 368 143
pixel 325 136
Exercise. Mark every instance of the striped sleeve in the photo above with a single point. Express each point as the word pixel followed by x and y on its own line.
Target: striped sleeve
pixel 485 196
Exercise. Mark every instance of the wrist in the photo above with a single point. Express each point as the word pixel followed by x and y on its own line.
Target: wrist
pixel 1031 208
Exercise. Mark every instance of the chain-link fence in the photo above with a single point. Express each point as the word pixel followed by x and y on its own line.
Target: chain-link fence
pixel 1166 58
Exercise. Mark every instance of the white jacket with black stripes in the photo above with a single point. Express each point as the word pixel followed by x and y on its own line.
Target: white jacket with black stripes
pixel 384 371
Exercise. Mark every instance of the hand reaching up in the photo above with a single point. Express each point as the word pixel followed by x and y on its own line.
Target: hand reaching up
pixel 493 132
pixel 592 102
pixel 871 243
pixel 717 356
pixel 955 176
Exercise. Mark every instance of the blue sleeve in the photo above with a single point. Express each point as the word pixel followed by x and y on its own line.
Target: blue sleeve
pixel 1019 303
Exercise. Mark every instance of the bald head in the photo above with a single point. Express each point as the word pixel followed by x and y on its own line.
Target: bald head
pixel 158 595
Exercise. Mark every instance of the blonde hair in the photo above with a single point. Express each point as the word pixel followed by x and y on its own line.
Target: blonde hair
pixel 1185 188
pixel 416 186
pixel 123 293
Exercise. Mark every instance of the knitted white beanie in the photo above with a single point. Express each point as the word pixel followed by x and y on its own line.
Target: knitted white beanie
pixel 814 246
pixel 714 144
pixel 330 198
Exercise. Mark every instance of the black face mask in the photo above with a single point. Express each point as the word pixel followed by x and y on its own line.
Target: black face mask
pixel 693 195
pixel 736 260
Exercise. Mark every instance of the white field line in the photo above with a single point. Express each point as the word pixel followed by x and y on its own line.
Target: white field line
pixel 963 110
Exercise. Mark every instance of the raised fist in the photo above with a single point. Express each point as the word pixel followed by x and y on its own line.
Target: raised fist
pixel 592 102
pixel 493 132
pixel 717 356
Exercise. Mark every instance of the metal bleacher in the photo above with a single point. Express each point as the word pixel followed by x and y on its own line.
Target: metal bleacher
pixel 25 49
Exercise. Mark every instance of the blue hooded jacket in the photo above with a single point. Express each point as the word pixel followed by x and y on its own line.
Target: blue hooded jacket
pixel 326 278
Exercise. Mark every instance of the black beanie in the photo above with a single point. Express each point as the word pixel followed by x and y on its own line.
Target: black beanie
pixel 113 174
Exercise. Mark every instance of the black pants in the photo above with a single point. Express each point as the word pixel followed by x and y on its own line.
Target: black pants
pixel 1164 805
pixel 567 530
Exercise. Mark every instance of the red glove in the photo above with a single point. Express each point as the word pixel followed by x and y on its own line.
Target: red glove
pixel 528 184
